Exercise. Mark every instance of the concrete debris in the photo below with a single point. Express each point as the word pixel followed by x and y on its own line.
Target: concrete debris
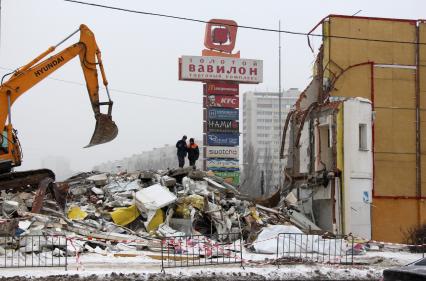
pixel 97 191
pixel 154 197
pixel 141 208
pixel 99 180
pixel 168 181
pixel 8 227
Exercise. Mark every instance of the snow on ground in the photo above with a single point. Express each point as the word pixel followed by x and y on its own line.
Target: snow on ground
pixel 255 267
pixel 268 272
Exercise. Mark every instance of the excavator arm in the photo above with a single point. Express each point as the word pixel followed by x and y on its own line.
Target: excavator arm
pixel 38 69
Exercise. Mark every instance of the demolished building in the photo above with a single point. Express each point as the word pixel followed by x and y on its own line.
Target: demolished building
pixel 356 135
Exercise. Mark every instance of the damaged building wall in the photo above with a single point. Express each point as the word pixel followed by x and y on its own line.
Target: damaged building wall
pixel 389 74
pixel 385 67
pixel 335 194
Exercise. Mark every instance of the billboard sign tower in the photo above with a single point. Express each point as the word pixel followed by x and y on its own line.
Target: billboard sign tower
pixel 221 72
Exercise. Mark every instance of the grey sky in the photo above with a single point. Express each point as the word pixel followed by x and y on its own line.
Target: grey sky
pixel 140 55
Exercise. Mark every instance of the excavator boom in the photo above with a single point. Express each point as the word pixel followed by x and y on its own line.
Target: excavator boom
pixel 90 59
pixel 24 79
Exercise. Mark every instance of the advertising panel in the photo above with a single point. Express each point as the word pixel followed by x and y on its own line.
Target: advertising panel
pixel 222 126
pixel 222 152
pixel 219 113
pixel 230 177
pixel 222 139
pixel 221 89
pixel 202 68
pixel 222 164
pixel 222 101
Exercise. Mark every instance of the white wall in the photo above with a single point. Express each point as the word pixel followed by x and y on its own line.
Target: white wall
pixel 358 168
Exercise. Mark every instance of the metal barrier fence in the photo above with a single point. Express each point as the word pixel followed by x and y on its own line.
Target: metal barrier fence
pixel 299 247
pixel 199 250
pixel 33 251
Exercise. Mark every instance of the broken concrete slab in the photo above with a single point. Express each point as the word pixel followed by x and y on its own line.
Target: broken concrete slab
pixel 99 180
pixel 302 221
pixel 10 207
pixel 97 191
pixel 8 226
pixel 196 175
pixel 181 225
pixel 166 231
pixel 146 176
pixel 154 197
pixel 167 181
pixel 122 186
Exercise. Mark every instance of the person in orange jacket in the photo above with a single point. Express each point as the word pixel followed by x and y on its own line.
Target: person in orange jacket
pixel 193 152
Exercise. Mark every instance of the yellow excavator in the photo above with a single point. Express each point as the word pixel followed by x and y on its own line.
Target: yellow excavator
pixel 23 79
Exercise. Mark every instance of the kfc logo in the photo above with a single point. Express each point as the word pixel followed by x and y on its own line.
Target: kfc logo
pixel 222 101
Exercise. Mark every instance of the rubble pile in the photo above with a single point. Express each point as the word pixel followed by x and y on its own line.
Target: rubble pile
pixel 102 210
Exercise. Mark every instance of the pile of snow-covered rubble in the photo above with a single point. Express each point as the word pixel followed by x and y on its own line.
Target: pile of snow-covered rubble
pixel 108 213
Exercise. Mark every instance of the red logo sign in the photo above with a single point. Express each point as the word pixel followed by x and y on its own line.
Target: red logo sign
pixel 222 101
pixel 221 35
pixel 221 89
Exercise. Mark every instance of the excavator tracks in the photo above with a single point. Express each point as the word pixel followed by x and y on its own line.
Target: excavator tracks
pixel 25 180
pixel 39 181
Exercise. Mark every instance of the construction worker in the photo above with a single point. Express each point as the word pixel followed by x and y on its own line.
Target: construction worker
pixel 181 151
pixel 193 152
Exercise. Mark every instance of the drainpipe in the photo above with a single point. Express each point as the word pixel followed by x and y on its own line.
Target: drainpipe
pixel 418 127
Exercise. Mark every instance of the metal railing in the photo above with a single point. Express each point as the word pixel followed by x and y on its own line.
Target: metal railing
pixel 199 250
pixel 300 247
pixel 422 246
pixel 33 251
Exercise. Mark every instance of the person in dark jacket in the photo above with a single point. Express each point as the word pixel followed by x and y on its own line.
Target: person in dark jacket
pixel 193 152
pixel 181 151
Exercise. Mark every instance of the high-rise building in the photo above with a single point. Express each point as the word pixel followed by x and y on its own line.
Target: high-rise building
pixel 262 131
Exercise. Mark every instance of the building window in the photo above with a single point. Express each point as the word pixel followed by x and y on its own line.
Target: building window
pixel 363 137
pixel 262 135
pixel 263 127
pixel 262 112
pixel 264 105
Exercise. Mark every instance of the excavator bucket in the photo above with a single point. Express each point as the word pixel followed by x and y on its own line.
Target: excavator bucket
pixel 105 130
